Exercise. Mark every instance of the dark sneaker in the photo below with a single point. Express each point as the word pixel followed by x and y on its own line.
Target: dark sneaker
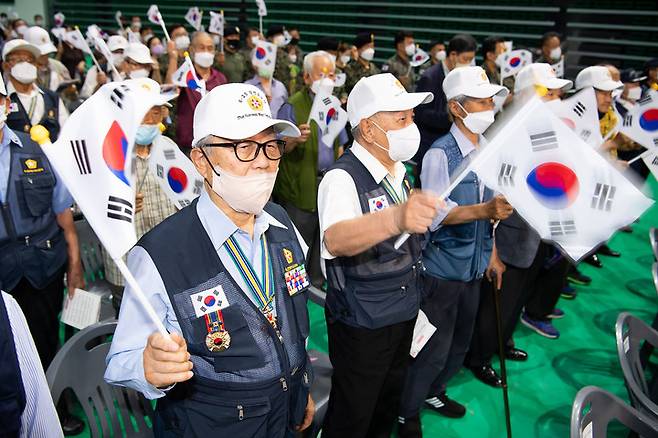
pixel 556 314
pixel 568 292
pixel 577 277
pixel 544 328
pixel 446 406
pixel 409 427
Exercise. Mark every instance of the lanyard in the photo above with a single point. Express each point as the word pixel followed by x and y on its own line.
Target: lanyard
pixel 263 293
pixel 33 105
pixel 392 193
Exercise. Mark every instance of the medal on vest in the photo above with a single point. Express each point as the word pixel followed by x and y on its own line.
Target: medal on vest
pixel 295 273
pixel 217 339
pixel 262 293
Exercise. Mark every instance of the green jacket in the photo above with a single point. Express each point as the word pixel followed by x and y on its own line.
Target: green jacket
pixel 297 180
pixel 235 67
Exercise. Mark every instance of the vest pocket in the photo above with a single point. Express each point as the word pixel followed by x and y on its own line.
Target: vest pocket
pixel 234 418
pixel 38 193
pixel 243 352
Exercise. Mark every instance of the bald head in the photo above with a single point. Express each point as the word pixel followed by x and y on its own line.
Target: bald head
pixel 202 42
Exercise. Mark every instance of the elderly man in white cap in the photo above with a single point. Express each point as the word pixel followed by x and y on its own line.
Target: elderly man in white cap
pixel 226 275
pixel 95 79
pixel 51 73
pixel 460 249
pixel 30 104
pixel 364 203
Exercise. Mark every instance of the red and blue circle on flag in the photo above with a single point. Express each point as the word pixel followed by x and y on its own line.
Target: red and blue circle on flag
pixel 331 114
pixel 554 185
pixel 515 61
pixel 649 120
pixel 190 81
pixel 115 149
pixel 177 179
pixel 260 53
pixel 209 301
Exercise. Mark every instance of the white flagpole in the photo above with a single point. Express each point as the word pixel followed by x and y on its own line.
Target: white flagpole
pixel 162 25
pixel 91 51
pixel 260 23
pixel 221 37
pixel 141 297
pixel 642 155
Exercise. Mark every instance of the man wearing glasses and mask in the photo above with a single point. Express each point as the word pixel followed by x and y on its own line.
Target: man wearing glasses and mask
pixel 227 276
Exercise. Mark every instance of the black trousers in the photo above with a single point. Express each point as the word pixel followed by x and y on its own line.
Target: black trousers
pixel 517 286
pixel 41 308
pixel 369 369
pixel 451 306
pixel 308 224
pixel 549 284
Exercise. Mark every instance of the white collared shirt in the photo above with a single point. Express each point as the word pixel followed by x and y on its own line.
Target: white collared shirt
pixel 35 97
pixel 338 199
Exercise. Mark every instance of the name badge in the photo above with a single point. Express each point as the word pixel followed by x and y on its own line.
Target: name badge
pixel 209 301
pixel 378 203
pixel 296 279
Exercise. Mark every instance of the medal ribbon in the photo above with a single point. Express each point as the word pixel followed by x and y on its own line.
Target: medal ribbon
pixel 263 293
pixel 215 321
pixel 392 193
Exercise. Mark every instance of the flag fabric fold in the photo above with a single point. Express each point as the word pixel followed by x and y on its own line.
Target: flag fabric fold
pixel 330 117
pixel 641 123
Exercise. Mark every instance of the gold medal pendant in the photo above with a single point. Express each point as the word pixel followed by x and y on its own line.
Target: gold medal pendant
pixel 218 341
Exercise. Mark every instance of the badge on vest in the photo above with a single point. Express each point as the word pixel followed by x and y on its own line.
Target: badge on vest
pixel 13 107
pixel 31 165
pixel 209 301
pixel 378 203
pixel 295 273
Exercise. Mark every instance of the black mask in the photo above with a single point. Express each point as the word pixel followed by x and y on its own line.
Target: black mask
pixel 233 44
pixel 294 41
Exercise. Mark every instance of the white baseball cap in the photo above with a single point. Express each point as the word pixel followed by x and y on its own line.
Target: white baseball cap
pixel 39 37
pixel 139 53
pixel 540 74
pixel 471 81
pixel 154 88
pixel 382 92
pixel 235 112
pixel 116 42
pixel 598 77
pixel 19 44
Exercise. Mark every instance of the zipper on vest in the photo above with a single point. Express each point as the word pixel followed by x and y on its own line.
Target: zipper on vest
pixel 240 412
pixel 284 384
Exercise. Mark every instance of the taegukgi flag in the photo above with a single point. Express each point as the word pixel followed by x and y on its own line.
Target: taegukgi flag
pixel 194 17
pixel 216 23
pixel 641 123
pixel 419 57
pixel 512 62
pixel 562 187
pixel 580 114
pixel 263 58
pixel 330 117
pixel 186 76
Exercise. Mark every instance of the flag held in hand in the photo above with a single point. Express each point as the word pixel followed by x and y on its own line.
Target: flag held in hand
pixel 580 114
pixel 194 17
pixel 641 123
pixel 263 58
pixel 512 62
pixel 330 117
pixel 186 76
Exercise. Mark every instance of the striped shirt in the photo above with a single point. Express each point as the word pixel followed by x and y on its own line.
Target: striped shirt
pixel 39 418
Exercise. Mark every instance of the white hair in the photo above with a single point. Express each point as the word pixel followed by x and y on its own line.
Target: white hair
pixel 309 60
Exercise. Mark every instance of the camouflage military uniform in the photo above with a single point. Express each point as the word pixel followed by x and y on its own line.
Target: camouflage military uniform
pixel 402 70
pixel 235 67
pixel 355 70
pixel 494 77
pixel 288 72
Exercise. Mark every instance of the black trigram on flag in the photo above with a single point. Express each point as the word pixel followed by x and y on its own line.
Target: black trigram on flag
pixel 585 133
pixel 604 194
pixel 645 100
pixel 184 203
pixel 654 162
pixel 120 209
pixel 655 142
pixel 159 171
pixel 79 148
pixel 561 228
pixel 506 175
pixel 326 101
pixel 579 109
pixel 118 94
pixel 169 154
pixel 543 141
pixel 628 120
pixel 198 185
pixel 321 115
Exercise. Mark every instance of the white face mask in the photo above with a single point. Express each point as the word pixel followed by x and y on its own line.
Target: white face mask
pixel 634 93
pixel 556 54
pixel 323 86
pixel 292 57
pixel 204 59
pixel 402 143
pixel 182 42
pixel 440 55
pixel 24 72
pixel 246 194
pixel 279 41
pixel 344 59
pixel 117 59
pixel 255 39
pixel 216 40
pixel 139 73
pixel 21 30
pixel 368 54
pixel 410 49
pixel 478 122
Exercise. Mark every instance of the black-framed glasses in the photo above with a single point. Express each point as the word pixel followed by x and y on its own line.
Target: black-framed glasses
pixel 247 150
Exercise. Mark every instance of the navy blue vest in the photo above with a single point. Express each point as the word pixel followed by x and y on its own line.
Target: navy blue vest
pixel 12 393
pixel 460 252
pixel 380 286
pixel 32 244
pixel 188 264
pixel 20 121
